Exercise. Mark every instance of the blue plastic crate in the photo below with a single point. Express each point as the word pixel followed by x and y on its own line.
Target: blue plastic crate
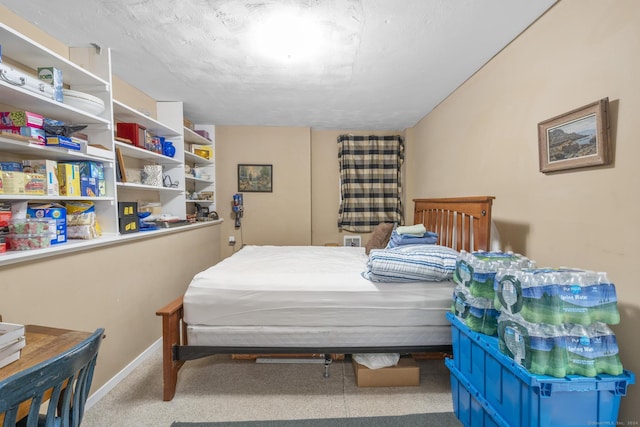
pixel 509 394
pixel 469 405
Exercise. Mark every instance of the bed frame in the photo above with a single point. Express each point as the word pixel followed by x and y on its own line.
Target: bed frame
pixel 462 223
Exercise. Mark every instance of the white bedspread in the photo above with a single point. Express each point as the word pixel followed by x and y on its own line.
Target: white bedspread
pixel 308 286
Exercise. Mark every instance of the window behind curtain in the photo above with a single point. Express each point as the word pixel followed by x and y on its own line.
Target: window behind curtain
pixel 370 181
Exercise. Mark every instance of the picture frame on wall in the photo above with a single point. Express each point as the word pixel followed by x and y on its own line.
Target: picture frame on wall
pixel 255 178
pixel 577 139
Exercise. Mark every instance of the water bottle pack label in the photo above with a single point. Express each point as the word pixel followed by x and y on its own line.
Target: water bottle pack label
pixel 516 345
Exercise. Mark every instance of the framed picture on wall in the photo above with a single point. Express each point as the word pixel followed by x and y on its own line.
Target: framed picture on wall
pixel 576 139
pixel 255 178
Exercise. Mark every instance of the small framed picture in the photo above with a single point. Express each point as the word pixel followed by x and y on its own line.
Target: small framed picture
pixel 577 139
pixel 255 178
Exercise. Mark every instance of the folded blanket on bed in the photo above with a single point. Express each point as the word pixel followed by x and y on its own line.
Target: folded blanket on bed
pixel 415 230
pixel 426 238
pixel 430 263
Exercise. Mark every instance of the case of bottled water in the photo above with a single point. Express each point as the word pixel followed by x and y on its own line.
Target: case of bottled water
pixel 559 350
pixel 477 313
pixel 476 270
pixel 556 296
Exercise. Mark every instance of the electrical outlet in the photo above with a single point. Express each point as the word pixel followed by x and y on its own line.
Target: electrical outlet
pixel 232 240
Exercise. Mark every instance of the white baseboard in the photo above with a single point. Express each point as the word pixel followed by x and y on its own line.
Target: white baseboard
pixel 109 385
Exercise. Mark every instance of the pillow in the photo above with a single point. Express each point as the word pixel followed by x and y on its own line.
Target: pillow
pixel 379 237
pixel 411 263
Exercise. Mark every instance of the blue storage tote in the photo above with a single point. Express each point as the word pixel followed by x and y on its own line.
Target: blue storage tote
pixel 468 405
pixel 509 395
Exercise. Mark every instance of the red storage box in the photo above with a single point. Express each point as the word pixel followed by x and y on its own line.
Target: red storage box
pixel 134 132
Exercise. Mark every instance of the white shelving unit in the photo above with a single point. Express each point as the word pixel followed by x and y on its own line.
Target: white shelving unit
pixel 206 182
pixel 89 70
pixel 172 199
pixel 26 56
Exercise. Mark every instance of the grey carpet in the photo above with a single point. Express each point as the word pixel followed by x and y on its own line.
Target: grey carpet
pixel 439 419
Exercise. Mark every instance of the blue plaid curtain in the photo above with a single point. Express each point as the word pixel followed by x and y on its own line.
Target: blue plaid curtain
pixel 370 181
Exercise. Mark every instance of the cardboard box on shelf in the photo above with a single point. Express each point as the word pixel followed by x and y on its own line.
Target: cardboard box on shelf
pixel 405 373
pixel 127 209
pixel 128 225
pixel 17 119
pixel 69 179
pixel 49 168
pixel 53 76
pixel 204 151
pixel 62 142
pixel 57 216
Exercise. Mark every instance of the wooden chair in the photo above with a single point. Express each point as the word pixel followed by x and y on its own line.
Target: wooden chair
pixel 64 380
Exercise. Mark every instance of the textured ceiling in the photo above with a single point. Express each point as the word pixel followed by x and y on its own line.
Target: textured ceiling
pixel 378 64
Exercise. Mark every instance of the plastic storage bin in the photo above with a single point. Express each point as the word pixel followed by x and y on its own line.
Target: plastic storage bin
pixel 488 388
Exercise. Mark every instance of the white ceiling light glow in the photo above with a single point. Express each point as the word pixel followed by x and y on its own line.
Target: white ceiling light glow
pixel 289 35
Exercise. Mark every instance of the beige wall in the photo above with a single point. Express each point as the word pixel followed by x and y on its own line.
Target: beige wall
pixel 133 97
pixel 483 140
pixel 282 217
pixel 117 287
pixel 24 27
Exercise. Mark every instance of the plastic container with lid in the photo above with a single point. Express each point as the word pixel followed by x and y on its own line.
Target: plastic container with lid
pixel 26 242
pixel 28 226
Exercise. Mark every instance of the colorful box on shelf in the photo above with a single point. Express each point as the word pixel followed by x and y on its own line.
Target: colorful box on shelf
pixel 12 182
pixel 69 179
pixel 17 119
pixel 36 135
pixel 62 142
pixel 127 209
pixel 34 183
pixel 128 225
pixel 92 181
pixel 56 215
pixel 204 151
pixel 203 133
pixel 48 168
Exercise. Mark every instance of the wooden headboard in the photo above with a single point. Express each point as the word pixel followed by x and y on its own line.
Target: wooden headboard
pixel 461 222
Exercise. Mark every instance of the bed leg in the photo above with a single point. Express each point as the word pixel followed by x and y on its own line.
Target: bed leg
pixel 173 333
pixel 327 365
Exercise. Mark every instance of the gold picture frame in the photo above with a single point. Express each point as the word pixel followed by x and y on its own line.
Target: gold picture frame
pixel 577 139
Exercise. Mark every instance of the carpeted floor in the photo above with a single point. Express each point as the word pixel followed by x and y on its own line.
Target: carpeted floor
pixel 439 419
pixel 238 392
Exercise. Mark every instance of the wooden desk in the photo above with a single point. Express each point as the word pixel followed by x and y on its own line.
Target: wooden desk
pixel 42 343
